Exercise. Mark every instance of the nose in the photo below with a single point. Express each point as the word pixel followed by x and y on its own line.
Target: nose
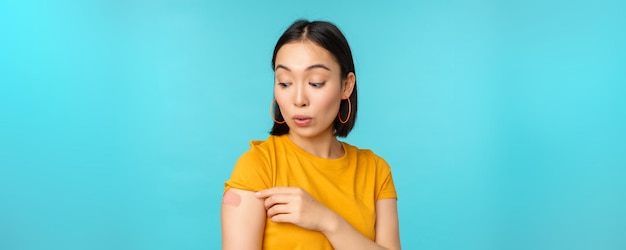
pixel 301 99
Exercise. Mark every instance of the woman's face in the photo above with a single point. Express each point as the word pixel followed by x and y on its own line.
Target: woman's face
pixel 308 88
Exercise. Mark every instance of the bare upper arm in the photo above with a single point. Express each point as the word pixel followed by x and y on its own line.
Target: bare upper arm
pixel 243 220
pixel 387 227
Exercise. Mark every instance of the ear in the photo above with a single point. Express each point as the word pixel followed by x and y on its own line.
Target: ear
pixel 348 85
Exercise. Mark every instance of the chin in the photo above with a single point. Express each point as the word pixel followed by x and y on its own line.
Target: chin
pixel 306 132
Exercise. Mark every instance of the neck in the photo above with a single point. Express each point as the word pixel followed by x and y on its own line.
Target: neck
pixel 325 145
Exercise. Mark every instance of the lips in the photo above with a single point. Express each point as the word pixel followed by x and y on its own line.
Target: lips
pixel 302 121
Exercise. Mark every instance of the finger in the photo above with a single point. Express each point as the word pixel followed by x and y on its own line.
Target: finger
pixel 278 209
pixel 277 199
pixel 275 190
pixel 282 218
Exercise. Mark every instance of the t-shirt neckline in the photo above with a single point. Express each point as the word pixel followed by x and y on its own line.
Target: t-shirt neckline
pixel 337 161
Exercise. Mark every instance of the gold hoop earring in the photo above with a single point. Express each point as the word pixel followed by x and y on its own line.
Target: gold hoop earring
pixel 272 112
pixel 349 111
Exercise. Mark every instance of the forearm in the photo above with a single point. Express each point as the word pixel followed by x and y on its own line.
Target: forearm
pixel 345 237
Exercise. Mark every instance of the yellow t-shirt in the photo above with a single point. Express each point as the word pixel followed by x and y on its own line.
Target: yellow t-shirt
pixel 349 185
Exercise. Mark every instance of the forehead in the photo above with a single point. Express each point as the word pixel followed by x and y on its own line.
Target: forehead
pixel 299 55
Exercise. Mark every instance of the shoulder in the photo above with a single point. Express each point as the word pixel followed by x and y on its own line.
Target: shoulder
pixel 259 150
pixel 378 172
pixel 262 146
pixel 368 155
pixel 253 170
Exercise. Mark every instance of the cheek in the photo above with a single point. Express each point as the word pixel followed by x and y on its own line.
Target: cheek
pixel 281 101
pixel 330 106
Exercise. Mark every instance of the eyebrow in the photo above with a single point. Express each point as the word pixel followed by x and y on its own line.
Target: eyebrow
pixel 314 66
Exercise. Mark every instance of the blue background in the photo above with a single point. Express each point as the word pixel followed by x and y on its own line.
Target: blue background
pixel 504 121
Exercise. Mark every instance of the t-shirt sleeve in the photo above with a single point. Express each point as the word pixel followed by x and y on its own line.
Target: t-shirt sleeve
pixel 251 172
pixel 384 181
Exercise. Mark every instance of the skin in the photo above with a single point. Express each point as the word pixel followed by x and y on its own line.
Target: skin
pixel 308 84
pixel 231 198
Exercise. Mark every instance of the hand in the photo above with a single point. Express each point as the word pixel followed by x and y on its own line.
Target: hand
pixel 296 206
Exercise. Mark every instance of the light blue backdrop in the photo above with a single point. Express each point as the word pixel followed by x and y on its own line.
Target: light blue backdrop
pixel 504 121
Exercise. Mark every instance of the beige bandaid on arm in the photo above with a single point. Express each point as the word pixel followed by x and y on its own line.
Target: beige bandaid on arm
pixel 243 220
pixel 231 198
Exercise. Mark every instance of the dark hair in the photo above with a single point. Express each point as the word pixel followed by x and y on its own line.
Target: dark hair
pixel 329 37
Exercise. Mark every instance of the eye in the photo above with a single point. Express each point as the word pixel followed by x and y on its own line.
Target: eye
pixel 317 84
pixel 284 84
